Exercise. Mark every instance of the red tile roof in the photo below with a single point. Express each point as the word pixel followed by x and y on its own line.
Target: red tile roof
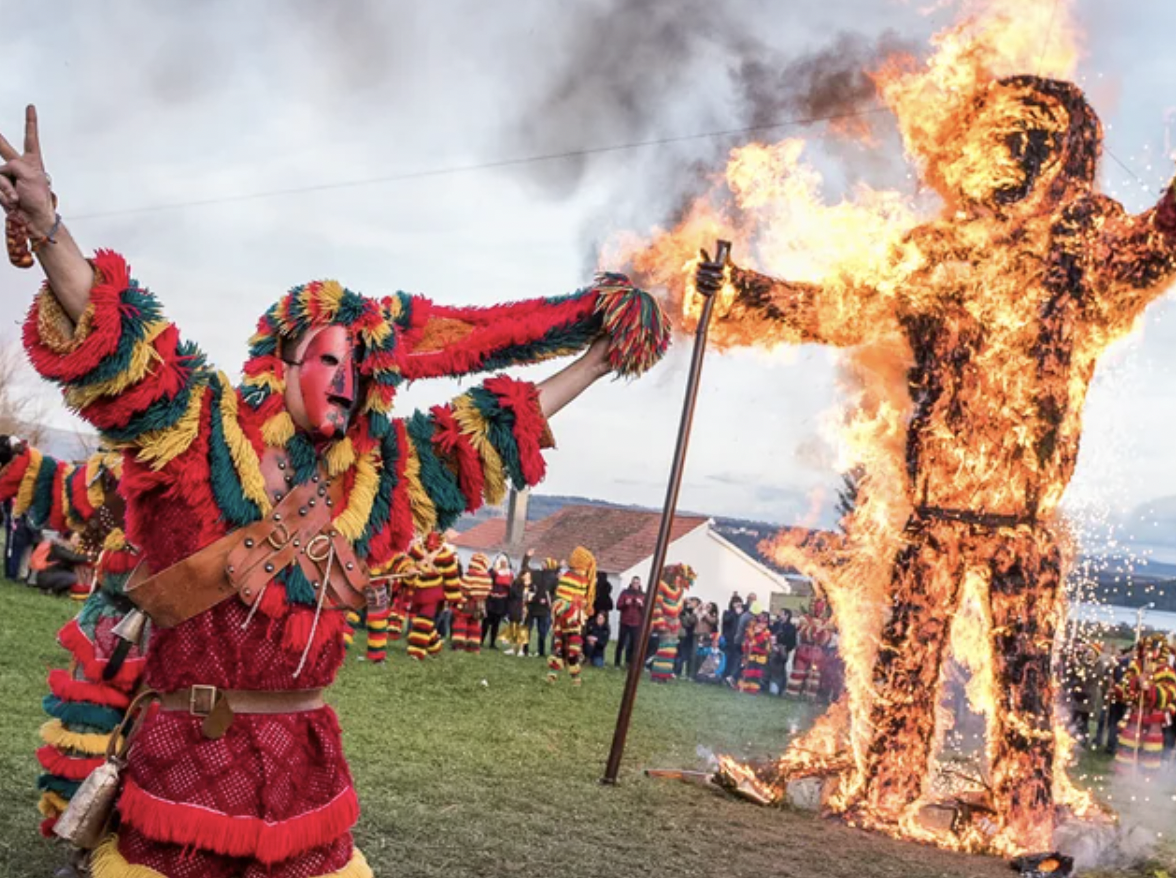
pixel 619 538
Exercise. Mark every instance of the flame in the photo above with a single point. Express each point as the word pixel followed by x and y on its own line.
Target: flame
pixel 969 335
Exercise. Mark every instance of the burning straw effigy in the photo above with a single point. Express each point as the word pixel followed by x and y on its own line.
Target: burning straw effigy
pixel 972 331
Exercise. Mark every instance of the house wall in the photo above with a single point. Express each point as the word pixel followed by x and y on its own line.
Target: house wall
pixel 721 569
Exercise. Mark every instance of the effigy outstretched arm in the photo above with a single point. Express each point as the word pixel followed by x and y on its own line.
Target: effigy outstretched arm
pixel 1136 255
pixel 754 307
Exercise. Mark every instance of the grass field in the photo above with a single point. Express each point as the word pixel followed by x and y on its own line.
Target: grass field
pixel 473 766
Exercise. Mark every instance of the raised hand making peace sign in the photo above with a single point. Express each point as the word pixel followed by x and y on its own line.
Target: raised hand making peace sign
pixel 25 195
pixel 32 224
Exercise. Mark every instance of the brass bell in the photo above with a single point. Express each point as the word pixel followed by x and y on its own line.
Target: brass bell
pixel 130 627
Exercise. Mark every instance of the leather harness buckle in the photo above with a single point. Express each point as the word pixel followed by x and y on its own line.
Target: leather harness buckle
pixel 319 551
pixel 279 542
pixel 201 700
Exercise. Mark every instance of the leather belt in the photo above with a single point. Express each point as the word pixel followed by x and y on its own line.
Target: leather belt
pixel 219 706
pixel 967 516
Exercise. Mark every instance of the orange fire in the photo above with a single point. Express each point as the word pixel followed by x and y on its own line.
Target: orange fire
pixel 971 328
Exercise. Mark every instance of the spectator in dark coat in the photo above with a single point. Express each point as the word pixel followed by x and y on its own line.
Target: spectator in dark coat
pixel 731 630
pixel 687 620
pixel 631 604
pixel 604 599
pixel 539 607
pixel 596 635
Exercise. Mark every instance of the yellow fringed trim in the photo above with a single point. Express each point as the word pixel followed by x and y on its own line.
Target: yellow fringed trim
pixel 143 357
pixel 56 735
pixel 278 430
pixel 115 541
pixel 107 862
pixel 245 459
pixel 71 519
pixel 475 428
pixel 24 494
pixel 424 513
pixel 160 447
pixel 51 804
pixel 267 380
pixel 354 518
pixel 340 456
pixel 93 483
pixel 57 332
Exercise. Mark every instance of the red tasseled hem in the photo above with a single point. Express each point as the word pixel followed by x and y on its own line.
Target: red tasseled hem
pixel 79 497
pixel 13 474
pixel 81 648
pixel 123 561
pixel 296 632
pixel 47 826
pixel 69 767
pixel 253 837
pixel 67 688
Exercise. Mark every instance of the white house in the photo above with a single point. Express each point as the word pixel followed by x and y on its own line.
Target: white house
pixel 623 541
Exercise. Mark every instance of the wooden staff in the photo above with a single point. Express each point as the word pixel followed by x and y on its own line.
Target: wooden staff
pixel 616 752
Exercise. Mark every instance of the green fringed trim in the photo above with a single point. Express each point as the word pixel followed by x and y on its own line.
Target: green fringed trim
pixel 500 431
pixel 437 479
pixel 105 719
pixel 302 457
pixel 236 509
pixel 382 505
pixel 298 587
pixel 43 492
pixel 162 414
pixel 61 786
pixel 636 324
pixel 138 310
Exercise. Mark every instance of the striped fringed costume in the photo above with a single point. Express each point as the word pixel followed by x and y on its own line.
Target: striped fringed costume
pixel 667 608
pixel 1148 688
pixel 814 632
pixel 273 795
pixel 574 594
pixel 435 568
pixel 373 618
pixel 88 698
pixel 471 609
pixel 757 646
pixel 60 495
pixel 402 588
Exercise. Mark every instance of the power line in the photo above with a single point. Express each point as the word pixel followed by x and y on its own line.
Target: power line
pixel 479 166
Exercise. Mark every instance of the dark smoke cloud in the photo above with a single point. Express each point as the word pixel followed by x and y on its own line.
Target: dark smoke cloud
pixel 632 70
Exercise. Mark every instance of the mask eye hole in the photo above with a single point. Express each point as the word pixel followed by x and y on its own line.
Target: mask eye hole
pixel 329 360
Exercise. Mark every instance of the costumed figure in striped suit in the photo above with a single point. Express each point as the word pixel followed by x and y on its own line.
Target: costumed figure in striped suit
pixel 257 510
pixel 757 647
pixel 574 594
pixel 814 633
pixel 373 617
pixel 434 576
pixel 87 699
pixel 471 609
pixel 1148 688
pixel 667 607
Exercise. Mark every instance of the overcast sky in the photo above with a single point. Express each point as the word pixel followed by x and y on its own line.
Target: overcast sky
pixel 146 105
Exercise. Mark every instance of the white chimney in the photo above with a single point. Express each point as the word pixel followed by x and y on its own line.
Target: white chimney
pixel 516 517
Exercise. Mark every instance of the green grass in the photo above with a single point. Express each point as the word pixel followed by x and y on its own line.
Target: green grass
pixel 457 778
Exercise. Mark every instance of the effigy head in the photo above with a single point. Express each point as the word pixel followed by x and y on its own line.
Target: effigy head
pixel 323 359
pixel 1024 141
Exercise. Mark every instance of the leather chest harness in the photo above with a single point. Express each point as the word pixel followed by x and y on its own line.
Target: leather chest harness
pixel 240 565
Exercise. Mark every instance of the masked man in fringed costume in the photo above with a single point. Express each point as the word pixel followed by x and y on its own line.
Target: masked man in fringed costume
pixel 574 594
pixel 257 510
pixel 469 611
pixel 1148 688
pixel 87 700
pixel 1006 300
pixel 436 580
pixel 814 633
pixel 676 579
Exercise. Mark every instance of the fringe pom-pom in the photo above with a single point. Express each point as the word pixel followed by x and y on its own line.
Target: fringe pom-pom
pixel 637 327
